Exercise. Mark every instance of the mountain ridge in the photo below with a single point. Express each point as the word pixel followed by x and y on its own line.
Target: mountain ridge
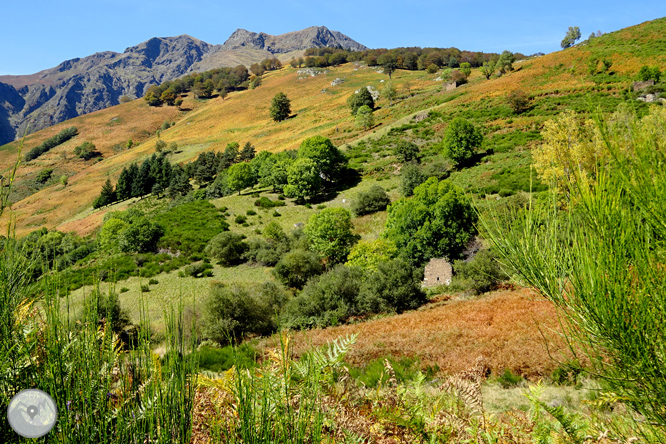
pixel 82 85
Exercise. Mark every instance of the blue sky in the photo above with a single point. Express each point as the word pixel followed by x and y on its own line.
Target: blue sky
pixel 37 35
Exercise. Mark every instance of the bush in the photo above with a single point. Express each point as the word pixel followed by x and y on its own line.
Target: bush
pixel 153 282
pixel 251 213
pixel 197 270
pixel 145 289
pixel 216 359
pixel 407 151
pixel 234 312
pixel 394 287
pixel 411 176
pixel 481 274
pixel 240 219
pixel 518 101
pixel 371 201
pixel 266 253
pixel 227 248
pixel 108 308
pixel 124 290
pixel 296 267
pixel 276 213
pixel 328 299
pixel 507 379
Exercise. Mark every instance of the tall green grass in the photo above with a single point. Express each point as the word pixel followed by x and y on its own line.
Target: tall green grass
pixel 104 392
pixel 598 254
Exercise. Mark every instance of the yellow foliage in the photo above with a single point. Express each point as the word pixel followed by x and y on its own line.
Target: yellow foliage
pixel 569 147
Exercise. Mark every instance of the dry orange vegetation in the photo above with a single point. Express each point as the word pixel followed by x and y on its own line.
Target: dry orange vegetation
pixel 504 326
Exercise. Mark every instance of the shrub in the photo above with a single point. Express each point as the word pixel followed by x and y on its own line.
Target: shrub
pixel 296 267
pixel 507 379
pixel 227 248
pixel 145 289
pixel 240 219
pixel 371 201
pixel 153 282
pixel 197 270
pixel 276 213
pixel 234 312
pixel 518 101
pixel 108 308
pixel 328 299
pixel 407 151
pixel 411 176
pixel 481 274
pixel 44 175
pixel 216 359
pixel 264 252
pixel 124 290
pixel 394 287
pixel 251 213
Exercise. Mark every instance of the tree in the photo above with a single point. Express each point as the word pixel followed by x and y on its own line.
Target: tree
pixel 329 234
pixel 247 153
pixel 303 179
pixel 357 100
pixel 178 102
pixel 241 176
pixel 438 221
pixel 649 73
pixel 466 69
pixel 389 92
pixel 169 97
pixel 411 176
pixel 106 197
pixel 518 100
pixel 140 236
pixel 124 185
pixel 461 141
pixel 571 36
pixel 388 62
pixel 488 69
pixel 407 151
pixel 505 62
pixel 364 117
pixel 230 156
pixel 151 99
pixel 280 107
pixel 328 158
pixel 63 180
pixel 368 254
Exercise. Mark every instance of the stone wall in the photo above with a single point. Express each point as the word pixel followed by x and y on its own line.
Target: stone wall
pixel 437 272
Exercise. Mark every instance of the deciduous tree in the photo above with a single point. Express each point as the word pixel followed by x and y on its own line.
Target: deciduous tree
pixel 280 107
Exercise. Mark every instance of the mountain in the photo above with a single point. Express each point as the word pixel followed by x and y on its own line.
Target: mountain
pixel 82 85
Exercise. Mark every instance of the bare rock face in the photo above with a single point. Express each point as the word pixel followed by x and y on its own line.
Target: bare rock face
pixel 312 37
pixel 88 84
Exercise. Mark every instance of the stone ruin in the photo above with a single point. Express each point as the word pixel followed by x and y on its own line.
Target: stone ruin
pixel 437 272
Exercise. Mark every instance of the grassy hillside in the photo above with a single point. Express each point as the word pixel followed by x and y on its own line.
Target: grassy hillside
pixel 555 81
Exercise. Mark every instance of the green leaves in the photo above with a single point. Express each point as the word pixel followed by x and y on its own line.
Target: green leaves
pixel 280 107
pixel 461 141
pixel 330 234
pixel 437 222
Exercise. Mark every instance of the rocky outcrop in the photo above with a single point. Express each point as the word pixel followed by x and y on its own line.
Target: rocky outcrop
pixel 312 37
pixel 88 84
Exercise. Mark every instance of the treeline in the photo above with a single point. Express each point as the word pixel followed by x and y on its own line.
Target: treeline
pixel 414 58
pixel 203 85
pixel 52 142
pixel 153 176
pixel 268 64
pixel 301 174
